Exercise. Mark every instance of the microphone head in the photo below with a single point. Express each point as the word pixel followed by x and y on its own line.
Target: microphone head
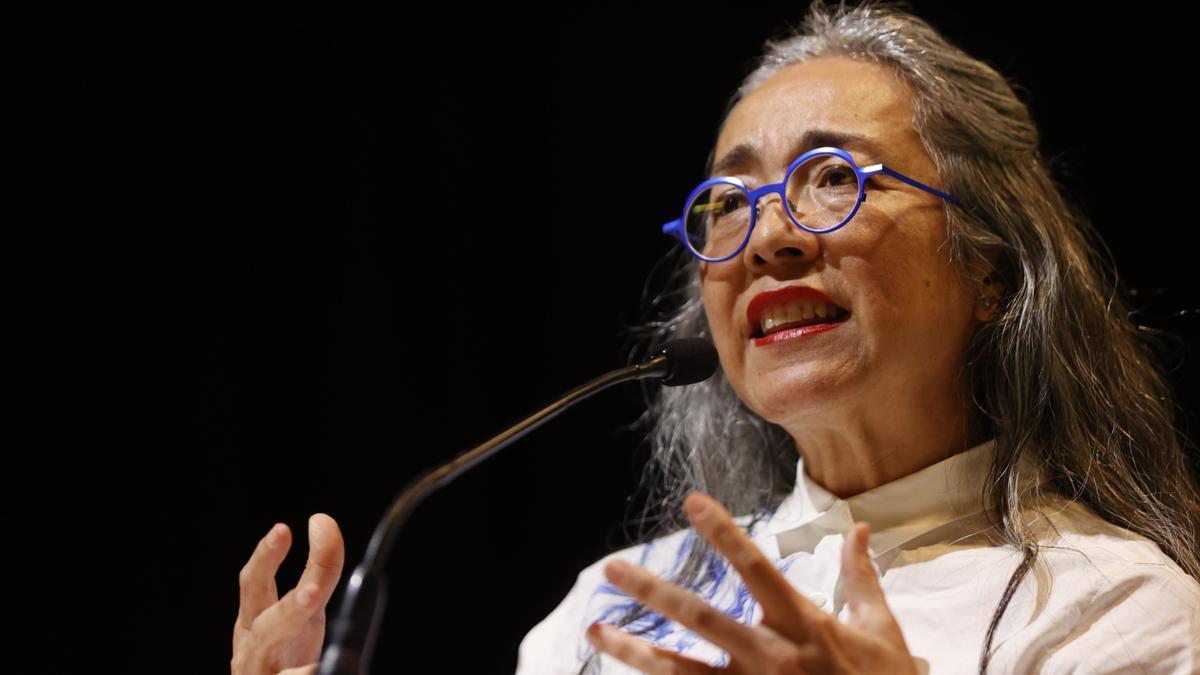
pixel 690 360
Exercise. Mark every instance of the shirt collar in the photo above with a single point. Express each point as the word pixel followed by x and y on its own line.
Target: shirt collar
pixel 900 511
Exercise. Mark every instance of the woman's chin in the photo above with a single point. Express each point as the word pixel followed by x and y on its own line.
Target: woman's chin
pixel 804 395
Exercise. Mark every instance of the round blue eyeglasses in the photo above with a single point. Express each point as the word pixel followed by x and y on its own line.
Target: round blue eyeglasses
pixel 822 190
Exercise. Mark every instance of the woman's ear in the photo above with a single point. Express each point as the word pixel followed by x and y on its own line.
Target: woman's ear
pixel 989 296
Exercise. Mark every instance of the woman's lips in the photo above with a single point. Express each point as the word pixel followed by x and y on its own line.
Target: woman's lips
pixel 795 333
pixel 781 296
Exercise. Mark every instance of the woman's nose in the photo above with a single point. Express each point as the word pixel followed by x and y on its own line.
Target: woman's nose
pixel 776 240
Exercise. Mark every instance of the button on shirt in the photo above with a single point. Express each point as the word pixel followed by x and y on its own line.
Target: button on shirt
pixel 1101 600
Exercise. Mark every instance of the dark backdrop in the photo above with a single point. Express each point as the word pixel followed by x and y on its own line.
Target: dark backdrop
pixel 266 260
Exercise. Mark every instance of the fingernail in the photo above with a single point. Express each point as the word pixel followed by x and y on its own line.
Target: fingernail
pixel 274 535
pixel 593 634
pixel 616 570
pixel 305 596
pixel 694 507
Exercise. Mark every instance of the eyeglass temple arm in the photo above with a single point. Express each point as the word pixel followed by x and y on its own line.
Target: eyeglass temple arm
pixel 675 229
pixel 879 168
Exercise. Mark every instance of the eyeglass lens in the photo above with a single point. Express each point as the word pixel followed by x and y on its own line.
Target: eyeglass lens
pixel 821 194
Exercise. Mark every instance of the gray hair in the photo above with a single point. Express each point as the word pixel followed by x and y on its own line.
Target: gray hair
pixel 1062 376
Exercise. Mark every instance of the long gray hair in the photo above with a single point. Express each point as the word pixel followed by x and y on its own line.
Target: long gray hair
pixel 1062 376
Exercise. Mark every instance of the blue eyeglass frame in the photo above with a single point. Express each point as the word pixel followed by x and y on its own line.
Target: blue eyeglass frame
pixel 677 229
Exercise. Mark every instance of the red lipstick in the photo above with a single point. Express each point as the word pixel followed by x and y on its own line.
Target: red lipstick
pixel 800 331
pixel 782 296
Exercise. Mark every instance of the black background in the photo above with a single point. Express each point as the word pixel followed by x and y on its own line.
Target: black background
pixel 264 260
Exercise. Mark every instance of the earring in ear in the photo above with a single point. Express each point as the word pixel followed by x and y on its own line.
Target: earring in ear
pixel 985 303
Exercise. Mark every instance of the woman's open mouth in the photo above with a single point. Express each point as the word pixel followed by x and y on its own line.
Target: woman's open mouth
pixel 797 319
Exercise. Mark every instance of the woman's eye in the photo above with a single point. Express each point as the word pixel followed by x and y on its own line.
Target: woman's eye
pixel 728 203
pixel 838 176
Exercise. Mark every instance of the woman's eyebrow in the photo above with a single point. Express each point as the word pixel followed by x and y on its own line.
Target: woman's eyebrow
pixel 745 154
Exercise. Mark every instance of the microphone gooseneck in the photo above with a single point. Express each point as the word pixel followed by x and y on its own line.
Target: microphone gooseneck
pixel 355 629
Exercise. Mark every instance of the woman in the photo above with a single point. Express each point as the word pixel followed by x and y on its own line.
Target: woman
pixel 984 360
pixel 946 447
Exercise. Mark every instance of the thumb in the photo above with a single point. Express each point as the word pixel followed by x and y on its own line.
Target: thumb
pixel 864 594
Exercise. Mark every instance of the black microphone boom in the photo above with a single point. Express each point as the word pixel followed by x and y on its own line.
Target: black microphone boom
pixel 678 362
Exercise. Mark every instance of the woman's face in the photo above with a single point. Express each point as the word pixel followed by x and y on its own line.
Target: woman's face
pixel 910 317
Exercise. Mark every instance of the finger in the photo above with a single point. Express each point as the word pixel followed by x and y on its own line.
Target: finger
pixel 782 605
pixel 310 669
pixel 317 583
pixel 744 643
pixel 864 594
pixel 641 654
pixel 326 557
pixel 257 577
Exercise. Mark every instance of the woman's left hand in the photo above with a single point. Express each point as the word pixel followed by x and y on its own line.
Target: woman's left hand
pixel 795 636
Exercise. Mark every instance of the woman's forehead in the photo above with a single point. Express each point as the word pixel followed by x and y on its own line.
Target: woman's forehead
pixel 831 94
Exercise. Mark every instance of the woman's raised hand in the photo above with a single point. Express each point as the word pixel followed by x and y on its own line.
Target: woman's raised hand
pixel 283 636
pixel 795 636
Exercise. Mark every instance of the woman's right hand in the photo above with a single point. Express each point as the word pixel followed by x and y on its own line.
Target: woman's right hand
pixel 283 636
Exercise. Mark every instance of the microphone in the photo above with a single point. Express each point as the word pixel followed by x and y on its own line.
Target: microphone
pixel 688 361
pixel 675 363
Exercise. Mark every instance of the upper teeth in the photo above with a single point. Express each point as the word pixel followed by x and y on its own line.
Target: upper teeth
pixel 798 310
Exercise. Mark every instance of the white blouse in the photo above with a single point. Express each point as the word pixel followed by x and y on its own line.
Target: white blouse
pixel 1102 600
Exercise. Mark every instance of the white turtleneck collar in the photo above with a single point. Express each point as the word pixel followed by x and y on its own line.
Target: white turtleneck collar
pixel 900 511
